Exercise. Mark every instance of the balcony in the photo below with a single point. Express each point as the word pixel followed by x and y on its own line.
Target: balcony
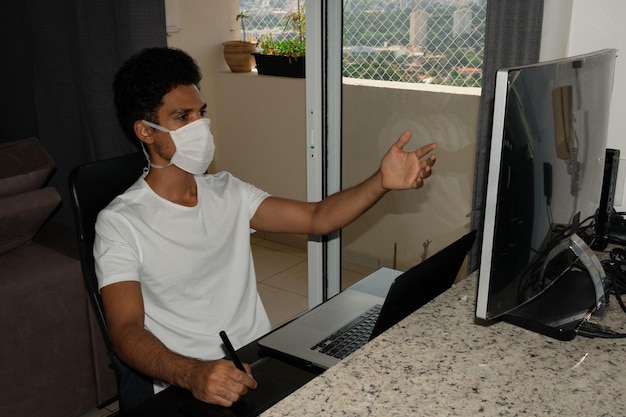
pixel 260 134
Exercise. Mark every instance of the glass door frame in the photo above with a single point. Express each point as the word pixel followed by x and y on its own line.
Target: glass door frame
pixel 323 123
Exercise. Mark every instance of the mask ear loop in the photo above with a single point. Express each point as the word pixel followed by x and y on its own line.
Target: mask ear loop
pixel 145 152
pixel 143 149
pixel 155 126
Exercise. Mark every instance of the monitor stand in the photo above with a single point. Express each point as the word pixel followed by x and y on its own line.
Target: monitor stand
pixel 566 303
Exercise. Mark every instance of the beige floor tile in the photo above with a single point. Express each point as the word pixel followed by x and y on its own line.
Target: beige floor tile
pixel 349 277
pixel 269 262
pixel 281 305
pixel 294 279
pixel 98 413
pixel 283 248
pixel 361 269
pixel 113 408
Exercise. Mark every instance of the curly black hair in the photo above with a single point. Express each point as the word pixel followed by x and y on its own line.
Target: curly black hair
pixel 143 80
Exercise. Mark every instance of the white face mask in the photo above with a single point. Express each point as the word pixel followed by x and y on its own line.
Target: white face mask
pixel 194 146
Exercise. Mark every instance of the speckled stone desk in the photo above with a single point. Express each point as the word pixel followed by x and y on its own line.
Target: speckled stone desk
pixel 438 362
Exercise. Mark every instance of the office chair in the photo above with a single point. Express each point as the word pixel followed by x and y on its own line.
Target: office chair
pixel 92 187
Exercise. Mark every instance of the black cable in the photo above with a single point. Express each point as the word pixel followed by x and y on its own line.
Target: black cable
pixel 615 269
pixel 592 330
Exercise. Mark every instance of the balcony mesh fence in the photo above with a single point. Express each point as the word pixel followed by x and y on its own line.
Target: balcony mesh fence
pixel 414 41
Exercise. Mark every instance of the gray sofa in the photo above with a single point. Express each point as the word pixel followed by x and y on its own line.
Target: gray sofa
pixel 52 355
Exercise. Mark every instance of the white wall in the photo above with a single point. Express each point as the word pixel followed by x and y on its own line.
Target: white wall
pixel 203 27
pixel 573 27
pixel 261 136
pixel 403 221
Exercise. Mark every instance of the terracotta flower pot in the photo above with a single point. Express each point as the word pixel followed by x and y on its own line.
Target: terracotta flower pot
pixel 238 55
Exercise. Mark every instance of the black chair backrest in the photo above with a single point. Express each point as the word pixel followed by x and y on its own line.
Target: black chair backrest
pixel 92 187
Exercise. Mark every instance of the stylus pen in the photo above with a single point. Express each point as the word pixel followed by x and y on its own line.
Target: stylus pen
pixel 231 351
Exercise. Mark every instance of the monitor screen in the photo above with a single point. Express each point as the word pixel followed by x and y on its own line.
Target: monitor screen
pixel 549 136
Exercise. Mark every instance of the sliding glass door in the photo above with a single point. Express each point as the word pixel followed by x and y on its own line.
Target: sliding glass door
pixel 375 69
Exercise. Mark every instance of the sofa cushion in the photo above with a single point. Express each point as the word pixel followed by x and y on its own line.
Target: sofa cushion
pixel 22 215
pixel 46 354
pixel 24 166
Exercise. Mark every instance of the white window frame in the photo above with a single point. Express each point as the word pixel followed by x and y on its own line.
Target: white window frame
pixel 323 106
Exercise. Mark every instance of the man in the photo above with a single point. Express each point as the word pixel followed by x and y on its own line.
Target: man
pixel 173 253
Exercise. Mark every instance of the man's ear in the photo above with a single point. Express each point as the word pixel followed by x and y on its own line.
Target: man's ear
pixel 143 132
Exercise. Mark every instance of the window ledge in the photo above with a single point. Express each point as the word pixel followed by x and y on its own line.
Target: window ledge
pixel 433 88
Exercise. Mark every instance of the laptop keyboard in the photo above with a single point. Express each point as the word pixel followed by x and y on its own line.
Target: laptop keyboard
pixel 351 336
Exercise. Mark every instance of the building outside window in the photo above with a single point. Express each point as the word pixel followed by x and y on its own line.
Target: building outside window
pixel 413 41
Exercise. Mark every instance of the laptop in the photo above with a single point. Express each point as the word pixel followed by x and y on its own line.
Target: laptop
pixel 377 302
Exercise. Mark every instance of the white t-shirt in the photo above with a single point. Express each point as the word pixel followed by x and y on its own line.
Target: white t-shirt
pixel 194 263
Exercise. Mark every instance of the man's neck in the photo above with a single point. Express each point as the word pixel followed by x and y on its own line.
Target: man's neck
pixel 173 184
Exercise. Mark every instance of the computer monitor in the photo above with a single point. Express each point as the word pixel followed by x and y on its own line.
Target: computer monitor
pixel 549 136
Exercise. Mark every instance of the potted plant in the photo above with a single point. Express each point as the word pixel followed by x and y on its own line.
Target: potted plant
pixel 238 54
pixel 284 57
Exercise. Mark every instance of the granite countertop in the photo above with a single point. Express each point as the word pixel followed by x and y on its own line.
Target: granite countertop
pixel 438 362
